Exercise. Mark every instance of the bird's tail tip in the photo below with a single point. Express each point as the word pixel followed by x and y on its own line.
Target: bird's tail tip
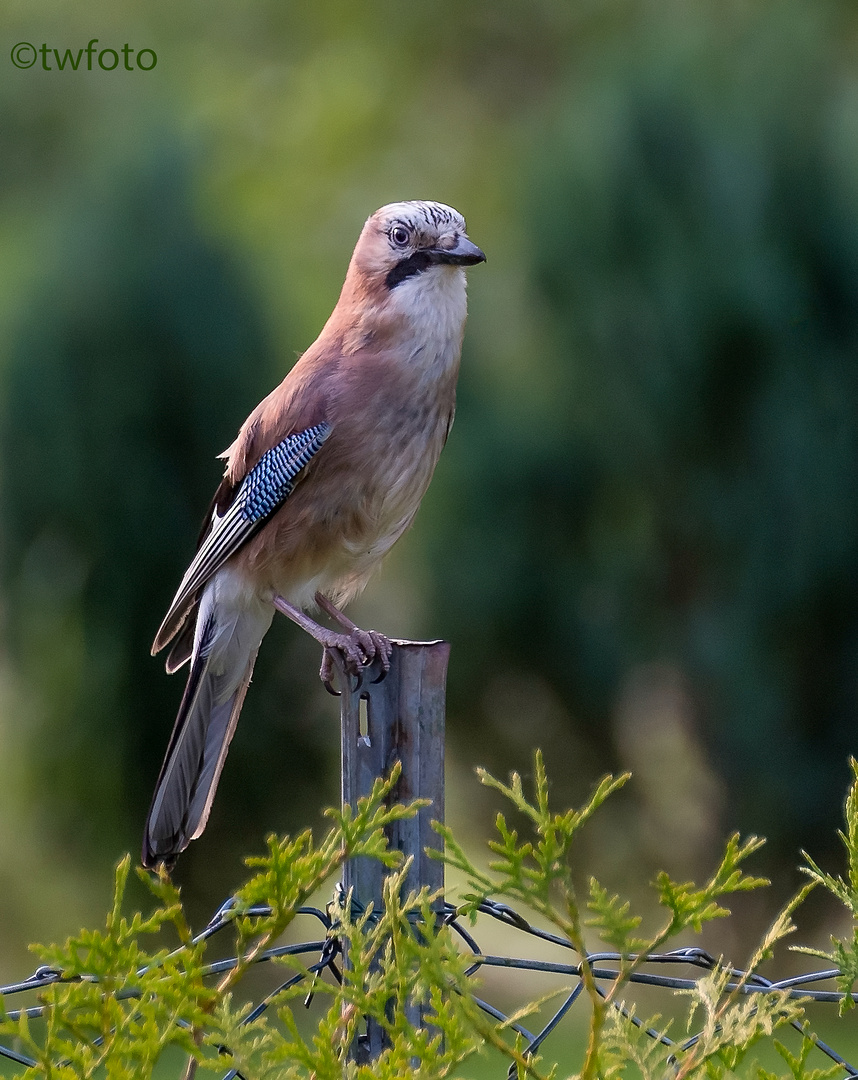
pixel 195 757
pixel 154 860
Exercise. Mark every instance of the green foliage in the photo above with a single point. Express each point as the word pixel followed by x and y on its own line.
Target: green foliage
pixel 692 907
pixel 390 961
pixel 844 954
pixel 120 1003
pixel 531 871
pixel 797 1063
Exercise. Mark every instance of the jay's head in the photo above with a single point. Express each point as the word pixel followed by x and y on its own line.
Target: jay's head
pixel 407 241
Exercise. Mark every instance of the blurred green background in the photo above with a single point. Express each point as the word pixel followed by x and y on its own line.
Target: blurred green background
pixel 641 539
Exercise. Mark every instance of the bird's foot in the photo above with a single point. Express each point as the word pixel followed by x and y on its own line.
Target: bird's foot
pixel 358 649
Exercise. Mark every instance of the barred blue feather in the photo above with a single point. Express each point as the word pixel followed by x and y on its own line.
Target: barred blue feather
pixel 272 479
pixel 262 491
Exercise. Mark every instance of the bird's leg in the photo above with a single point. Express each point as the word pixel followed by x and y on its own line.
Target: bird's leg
pixel 352 648
pixel 372 643
pixel 358 647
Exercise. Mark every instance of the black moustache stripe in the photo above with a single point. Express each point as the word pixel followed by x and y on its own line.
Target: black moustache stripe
pixel 406 268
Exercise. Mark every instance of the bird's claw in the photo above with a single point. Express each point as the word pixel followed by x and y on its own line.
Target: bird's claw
pixel 326 674
pixel 358 649
pixel 381 650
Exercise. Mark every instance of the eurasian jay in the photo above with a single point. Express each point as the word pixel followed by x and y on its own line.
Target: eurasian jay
pixel 326 474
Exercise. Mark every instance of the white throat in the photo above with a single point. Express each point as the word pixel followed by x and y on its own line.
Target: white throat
pixel 435 303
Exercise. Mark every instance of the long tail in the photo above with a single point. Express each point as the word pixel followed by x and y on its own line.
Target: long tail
pixel 221 666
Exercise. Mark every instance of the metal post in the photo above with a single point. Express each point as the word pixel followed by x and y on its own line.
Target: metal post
pixel 403 721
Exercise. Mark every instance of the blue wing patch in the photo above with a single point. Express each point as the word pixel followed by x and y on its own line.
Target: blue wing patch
pixel 272 478
pixel 268 483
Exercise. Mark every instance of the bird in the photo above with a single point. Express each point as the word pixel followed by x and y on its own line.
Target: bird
pixel 326 474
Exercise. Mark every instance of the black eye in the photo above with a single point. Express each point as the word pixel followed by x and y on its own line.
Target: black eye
pixel 399 235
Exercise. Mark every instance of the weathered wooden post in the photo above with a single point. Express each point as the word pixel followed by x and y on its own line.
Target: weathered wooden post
pixel 403 720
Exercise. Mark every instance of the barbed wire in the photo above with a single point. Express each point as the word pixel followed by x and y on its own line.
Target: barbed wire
pixel 604 968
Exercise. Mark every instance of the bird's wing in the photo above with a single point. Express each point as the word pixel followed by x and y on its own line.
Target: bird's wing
pixel 264 488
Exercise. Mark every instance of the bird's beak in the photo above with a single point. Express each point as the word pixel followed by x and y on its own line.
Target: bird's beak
pixel 463 253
